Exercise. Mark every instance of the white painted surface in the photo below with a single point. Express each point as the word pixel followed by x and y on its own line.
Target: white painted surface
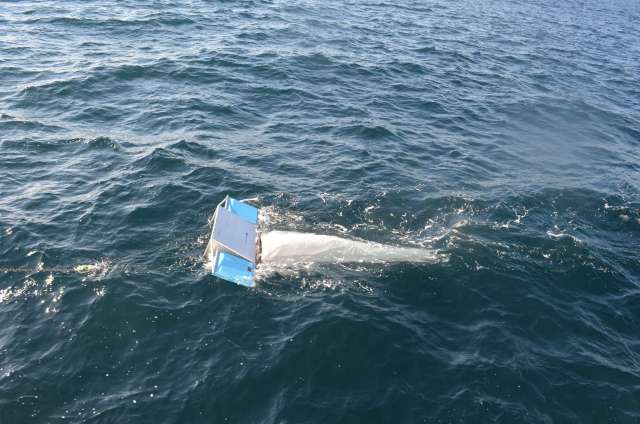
pixel 234 234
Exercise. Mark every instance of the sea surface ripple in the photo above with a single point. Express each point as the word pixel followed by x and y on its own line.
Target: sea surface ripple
pixel 505 135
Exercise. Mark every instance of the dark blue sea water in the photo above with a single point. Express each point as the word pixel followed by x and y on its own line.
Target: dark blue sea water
pixel 503 134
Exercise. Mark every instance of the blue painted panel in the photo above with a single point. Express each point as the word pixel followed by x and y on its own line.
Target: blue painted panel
pixel 244 211
pixel 234 269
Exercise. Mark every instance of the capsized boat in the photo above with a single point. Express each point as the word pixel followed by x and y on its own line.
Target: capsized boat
pixel 234 243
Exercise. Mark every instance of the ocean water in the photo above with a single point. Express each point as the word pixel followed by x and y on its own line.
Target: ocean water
pixel 503 135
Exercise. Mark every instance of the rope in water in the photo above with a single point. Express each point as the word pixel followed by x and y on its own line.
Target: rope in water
pixel 80 269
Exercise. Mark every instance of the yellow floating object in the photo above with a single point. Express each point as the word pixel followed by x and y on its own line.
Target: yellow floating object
pixel 85 269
